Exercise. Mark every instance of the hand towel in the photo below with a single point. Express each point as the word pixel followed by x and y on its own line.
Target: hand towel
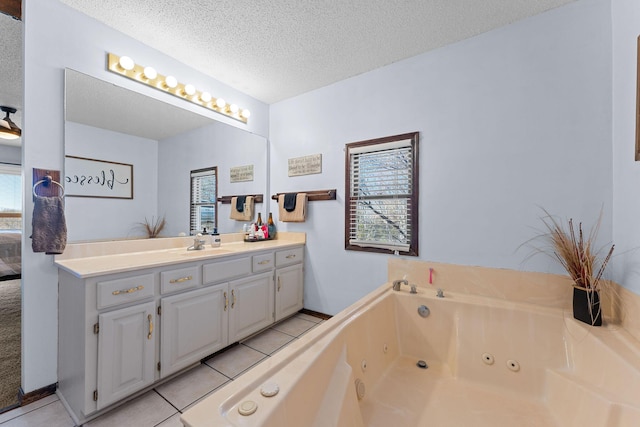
pixel 49 227
pixel 298 214
pixel 290 201
pixel 247 209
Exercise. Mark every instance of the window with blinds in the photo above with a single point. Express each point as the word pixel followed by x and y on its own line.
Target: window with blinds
pixel 382 189
pixel 10 197
pixel 204 195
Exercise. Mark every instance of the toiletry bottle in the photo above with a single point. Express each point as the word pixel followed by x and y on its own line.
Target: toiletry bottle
pixel 271 226
pixel 215 238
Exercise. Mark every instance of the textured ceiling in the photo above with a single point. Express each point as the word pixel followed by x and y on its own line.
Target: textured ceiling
pixel 11 70
pixel 276 49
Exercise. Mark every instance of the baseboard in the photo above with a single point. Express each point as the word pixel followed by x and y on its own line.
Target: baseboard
pixel 32 396
pixel 315 314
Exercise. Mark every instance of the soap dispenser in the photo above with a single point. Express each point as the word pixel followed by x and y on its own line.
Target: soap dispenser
pixel 215 238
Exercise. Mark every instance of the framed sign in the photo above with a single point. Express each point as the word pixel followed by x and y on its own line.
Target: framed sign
pixel 241 173
pixel 97 178
pixel 306 165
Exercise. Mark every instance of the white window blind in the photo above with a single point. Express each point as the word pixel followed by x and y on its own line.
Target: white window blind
pixel 203 200
pixel 381 190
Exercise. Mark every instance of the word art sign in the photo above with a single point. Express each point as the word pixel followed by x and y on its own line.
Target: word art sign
pixel 241 173
pixel 306 165
pixel 97 178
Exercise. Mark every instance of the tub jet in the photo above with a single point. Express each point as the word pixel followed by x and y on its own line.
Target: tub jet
pixel 422 364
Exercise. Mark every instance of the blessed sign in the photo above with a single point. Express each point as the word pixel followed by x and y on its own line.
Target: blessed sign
pixel 306 165
pixel 97 178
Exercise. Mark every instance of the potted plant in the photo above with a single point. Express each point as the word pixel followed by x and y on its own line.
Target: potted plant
pixel 576 253
pixel 153 227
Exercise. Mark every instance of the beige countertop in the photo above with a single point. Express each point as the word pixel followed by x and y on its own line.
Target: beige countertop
pixel 91 259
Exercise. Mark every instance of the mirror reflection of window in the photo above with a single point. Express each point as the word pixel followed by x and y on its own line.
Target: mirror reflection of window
pixel 10 197
pixel 204 194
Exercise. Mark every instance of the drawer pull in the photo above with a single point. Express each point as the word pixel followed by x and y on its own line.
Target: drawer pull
pixel 128 291
pixel 233 298
pixel 150 317
pixel 266 261
pixel 182 279
pixel 290 256
pixel 226 301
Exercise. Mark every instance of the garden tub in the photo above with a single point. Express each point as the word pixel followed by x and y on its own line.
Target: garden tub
pixel 489 362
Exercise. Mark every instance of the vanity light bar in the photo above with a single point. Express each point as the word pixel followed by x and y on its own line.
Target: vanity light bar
pixel 125 66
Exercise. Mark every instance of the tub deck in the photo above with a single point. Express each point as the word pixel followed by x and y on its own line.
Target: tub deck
pixel 409 396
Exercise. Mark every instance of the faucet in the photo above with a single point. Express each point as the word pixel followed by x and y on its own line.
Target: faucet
pixel 439 293
pixel 398 283
pixel 198 245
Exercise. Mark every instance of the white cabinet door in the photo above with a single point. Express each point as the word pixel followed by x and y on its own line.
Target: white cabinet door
pixel 289 291
pixel 194 325
pixel 251 303
pixel 126 352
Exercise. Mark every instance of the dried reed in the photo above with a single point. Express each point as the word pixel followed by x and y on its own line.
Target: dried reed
pixel 153 227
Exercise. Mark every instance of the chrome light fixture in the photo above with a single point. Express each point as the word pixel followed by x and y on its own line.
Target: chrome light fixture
pixel 8 129
pixel 125 66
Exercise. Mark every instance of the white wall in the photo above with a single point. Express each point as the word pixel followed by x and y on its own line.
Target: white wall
pixel 514 119
pixel 10 154
pixel 91 218
pixel 56 37
pixel 214 145
pixel 626 177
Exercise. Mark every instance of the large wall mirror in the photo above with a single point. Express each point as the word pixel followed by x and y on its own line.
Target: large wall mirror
pixel 163 144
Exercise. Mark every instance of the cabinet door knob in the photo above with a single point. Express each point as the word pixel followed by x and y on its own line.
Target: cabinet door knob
pixel 150 317
pixel 278 283
pixel 226 301
pixel 233 298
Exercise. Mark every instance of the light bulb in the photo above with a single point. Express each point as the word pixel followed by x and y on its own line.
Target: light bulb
pixel 150 73
pixel 205 97
pixel 126 63
pixel 245 113
pixel 233 108
pixel 221 103
pixel 189 90
pixel 171 82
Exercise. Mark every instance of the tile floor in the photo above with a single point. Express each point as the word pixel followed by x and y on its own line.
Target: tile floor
pixel 163 405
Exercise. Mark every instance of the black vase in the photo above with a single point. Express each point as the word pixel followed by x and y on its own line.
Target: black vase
pixel 582 300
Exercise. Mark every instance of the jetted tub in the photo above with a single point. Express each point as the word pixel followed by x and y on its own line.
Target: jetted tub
pixel 490 363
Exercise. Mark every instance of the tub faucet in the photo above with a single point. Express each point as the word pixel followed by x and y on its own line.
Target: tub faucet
pixel 439 293
pixel 398 283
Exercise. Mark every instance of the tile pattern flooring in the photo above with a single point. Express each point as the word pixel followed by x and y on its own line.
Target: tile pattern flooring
pixel 162 406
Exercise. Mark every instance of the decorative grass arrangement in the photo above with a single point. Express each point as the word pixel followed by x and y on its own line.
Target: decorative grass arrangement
pixel 575 251
pixel 153 227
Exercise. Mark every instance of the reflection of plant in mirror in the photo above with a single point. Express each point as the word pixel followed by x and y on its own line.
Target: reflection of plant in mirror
pixel 153 227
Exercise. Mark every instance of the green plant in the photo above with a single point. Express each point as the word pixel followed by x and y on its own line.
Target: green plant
pixel 153 227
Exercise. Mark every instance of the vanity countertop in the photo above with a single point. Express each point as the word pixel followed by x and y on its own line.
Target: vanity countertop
pixel 85 260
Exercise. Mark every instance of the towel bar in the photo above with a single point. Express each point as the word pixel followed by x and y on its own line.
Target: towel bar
pixel 313 195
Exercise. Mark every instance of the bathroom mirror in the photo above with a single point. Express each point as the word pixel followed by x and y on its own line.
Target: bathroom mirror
pixel 163 144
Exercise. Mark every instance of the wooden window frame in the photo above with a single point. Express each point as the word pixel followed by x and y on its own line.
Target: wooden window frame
pixel 414 218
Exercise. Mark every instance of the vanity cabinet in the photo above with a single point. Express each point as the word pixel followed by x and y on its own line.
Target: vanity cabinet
pixel 126 352
pixel 194 325
pixel 289 278
pixel 121 333
pixel 251 305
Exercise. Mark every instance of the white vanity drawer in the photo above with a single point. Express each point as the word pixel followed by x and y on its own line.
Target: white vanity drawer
pixel 289 256
pixel 223 270
pixel 123 291
pixel 183 278
pixel 262 262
